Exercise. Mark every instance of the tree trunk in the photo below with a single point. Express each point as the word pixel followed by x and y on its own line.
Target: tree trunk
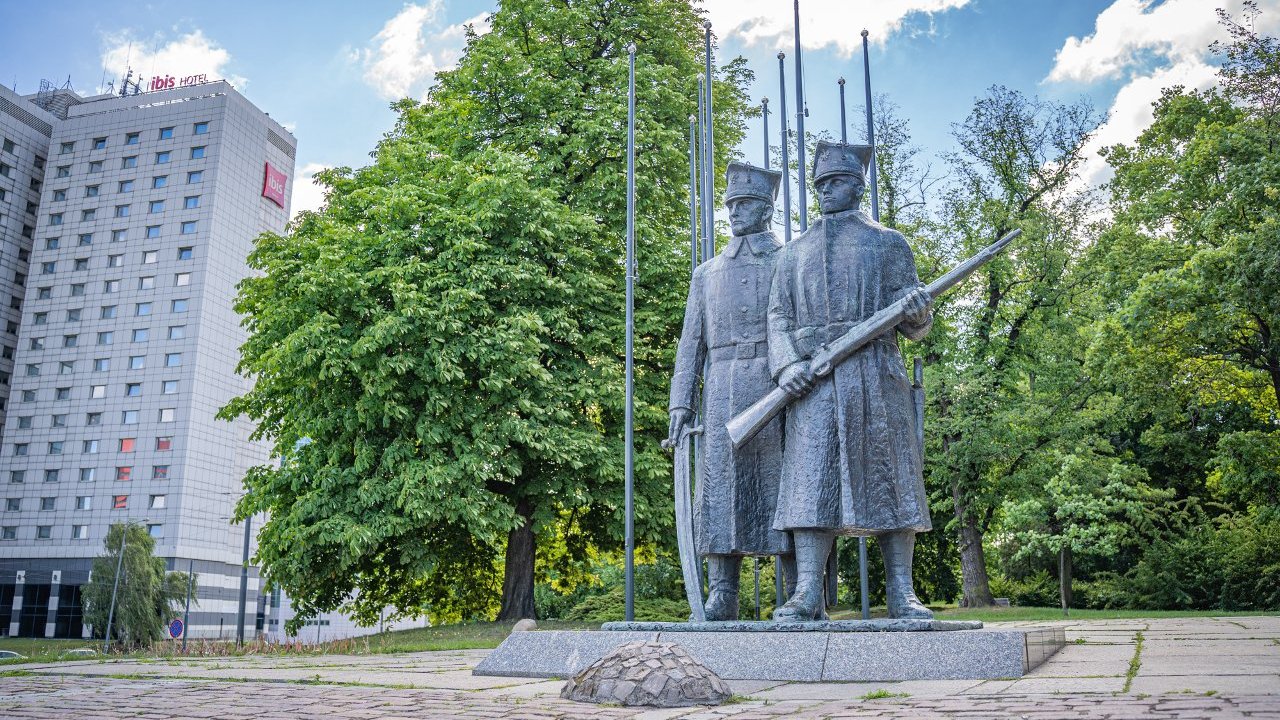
pixel 1064 578
pixel 973 561
pixel 517 577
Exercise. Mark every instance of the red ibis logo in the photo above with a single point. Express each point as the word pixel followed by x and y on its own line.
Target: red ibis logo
pixel 273 183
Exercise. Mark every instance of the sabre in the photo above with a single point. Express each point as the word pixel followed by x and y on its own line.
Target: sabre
pixel 746 424
pixel 690 567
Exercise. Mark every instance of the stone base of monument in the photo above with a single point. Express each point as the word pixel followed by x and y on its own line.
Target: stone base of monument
pixel 648 673
pixel 863 650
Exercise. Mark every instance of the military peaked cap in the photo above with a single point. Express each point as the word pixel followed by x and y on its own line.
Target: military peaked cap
pixel 748 181
pixel 833 158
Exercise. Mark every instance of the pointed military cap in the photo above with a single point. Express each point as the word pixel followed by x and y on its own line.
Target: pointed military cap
pixel 748 181
pixel 833 158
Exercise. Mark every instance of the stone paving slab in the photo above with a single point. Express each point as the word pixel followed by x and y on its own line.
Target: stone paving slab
pixel 1187 671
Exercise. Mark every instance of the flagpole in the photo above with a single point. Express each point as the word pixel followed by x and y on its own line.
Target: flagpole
pixel 703 195
pixel 871 130
pixel 786 153
pixel 630 349
pixel 764 112
pixel 800 109
pixel 844 124
pixel 693 193
pixel 709 154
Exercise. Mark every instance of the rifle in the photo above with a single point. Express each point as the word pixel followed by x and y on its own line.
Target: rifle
pixel 746 424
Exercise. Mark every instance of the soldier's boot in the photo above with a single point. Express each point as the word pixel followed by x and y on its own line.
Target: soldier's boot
pixel 723 572
pixel 788 573
pixel 897 549
pixel 807 602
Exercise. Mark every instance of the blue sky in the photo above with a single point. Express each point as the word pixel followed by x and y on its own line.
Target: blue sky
pixel 328 70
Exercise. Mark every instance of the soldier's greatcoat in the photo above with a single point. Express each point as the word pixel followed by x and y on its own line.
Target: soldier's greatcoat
pixel 852 462
pixel 724 326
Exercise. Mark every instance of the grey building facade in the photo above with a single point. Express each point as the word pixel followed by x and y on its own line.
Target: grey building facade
pixel 126 340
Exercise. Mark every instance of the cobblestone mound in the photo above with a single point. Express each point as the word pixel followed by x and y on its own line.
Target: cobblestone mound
pixel 655 674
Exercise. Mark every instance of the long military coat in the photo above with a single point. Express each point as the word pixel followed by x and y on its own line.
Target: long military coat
pixel 852 462
pixel 724 332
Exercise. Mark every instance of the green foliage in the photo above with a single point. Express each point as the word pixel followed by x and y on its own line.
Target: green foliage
pixel 447 330
pixel 1036 590
pixel 147 597
pixel 611 605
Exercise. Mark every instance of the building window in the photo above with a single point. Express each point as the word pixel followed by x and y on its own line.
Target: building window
pixel 79 532
pixel 33 369
pixel 97 392
pixel 106 337
pixel 164 444
pixel 127 445
pixel 55 219
pixel 156 206
pixel 55 447
pixel 119 235
pixel 150 256
pixel 141 334
pixel 107 312
pixel 39 318
pixel 153 231
pixel 63 171
pixel 179 305
pixel 124 473
pixel 133 389
pixel 119 502
pixel 114 261
pixel 67 148
pixel 193 177
pixel 137 362
pixel 131 138
pixel 162 157
pixel 28 396
pixel 147 282
pixel 57 421
pixel 122 211
pixel 188 227
pixel 44 532
pixel 70 341
pixel 155 530
pixel 200 128
pixel 177 332
pixel 87 215
pixel 20 449
pixel 169 387
pixel 157 502
pixel 80 264
pixel 141 309
pixel 166 133
pixel 93 418
pixel 77 289
pixel 181 279
pixel 66 367
pixel 51 475
pixel 128 417
pixel 102 364
pixel 127 163
pixel 95 166
pixel 100 143
pixel 10 148
pixel 191 202
pixel 58 195
pixel 166 415
pixel 52 243
pixel 9 532
pixel 17 477
pixel 24 422
pixel 126 186
pixel 90 447
pixel 197 152
pixel 91 190
pixel 184 253
pixel 84 502
pixel 172 359
pixel 111 286
pixel 160 472
pixel 13 504
pixel 48 504
pixel 62 393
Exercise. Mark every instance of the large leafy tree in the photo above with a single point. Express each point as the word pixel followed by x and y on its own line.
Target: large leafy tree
pixel 146 596
pixel 447 331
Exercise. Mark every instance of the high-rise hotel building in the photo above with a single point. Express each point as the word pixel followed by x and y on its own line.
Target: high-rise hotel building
pixel 125 223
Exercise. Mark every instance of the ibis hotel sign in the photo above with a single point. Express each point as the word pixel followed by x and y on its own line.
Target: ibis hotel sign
pixel 168 82
pixel 273 182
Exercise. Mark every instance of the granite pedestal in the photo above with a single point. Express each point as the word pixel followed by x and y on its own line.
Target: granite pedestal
pixel 861 651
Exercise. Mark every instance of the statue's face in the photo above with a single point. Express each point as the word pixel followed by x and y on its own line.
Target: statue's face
pixel 749 215
pixel 838 193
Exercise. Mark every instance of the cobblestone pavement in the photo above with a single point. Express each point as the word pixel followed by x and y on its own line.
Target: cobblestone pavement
pixel 1217 668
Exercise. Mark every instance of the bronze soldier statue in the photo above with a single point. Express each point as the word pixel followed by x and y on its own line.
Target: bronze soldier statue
pixel 723 346
pixel 852 464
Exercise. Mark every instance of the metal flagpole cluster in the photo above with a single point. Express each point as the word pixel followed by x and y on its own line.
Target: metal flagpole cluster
pixel 800 111
pixel 786 153
pixel 630 347
pixel 708 157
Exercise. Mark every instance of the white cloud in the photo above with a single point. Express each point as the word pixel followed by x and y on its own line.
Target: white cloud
pixel 405 55
pixel 1151 46
pixel 189 54
pixel 835 24
pixel 307 194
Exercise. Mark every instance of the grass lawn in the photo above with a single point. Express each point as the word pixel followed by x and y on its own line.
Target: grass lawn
pixel 460 637
pixel 43 649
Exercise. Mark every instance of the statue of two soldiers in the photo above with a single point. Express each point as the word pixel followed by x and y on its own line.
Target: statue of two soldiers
pixel 846 459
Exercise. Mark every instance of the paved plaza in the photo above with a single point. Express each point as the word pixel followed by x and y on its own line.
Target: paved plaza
pixel 1217 668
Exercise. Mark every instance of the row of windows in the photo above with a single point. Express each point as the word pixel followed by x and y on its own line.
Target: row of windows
pixel 142 309
pixel 164 443
pixel 127 417
pixel 78 532
pixel 194 177
pixel 124 473
pixel 122 211
pixel 98 392
pixel 45 292
pixel 90 191
pixel 108 337
pixel 133 138
pixel 117 259
pixel 85 502
pixel 136 362
pixel 128 162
